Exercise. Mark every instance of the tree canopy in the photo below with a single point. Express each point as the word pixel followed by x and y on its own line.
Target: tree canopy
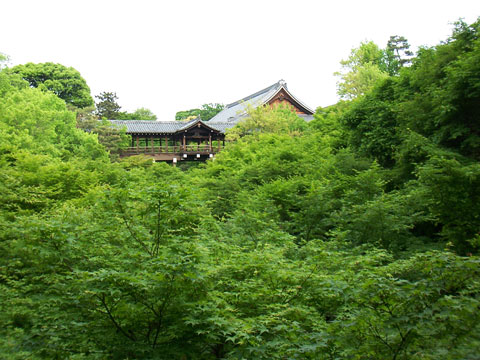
pixel 264 119
pixel 107 106
pixel 65 82
pixel 206 112
pixel 141 114
pixel 397 53
pixel 369 64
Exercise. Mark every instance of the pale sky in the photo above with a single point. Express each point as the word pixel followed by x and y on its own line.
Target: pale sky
pixel 176 55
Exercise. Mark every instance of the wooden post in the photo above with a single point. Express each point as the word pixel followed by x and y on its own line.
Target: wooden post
pixel 137 144
pixel 210 142
pixel 184 143
pixel 166 144
pixel 153 145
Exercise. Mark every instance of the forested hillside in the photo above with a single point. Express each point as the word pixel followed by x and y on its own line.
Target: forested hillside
pixel 355 236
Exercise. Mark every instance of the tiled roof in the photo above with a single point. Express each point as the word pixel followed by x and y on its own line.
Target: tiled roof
pixel 146 126
pixel 233 112
pixel 306 117
pixel 221 126
pixel 164 127
pixel 226 119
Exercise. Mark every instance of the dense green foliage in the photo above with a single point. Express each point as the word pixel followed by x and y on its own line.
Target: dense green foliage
pixel 368 64
pixel 113 139
pixel 65 82
pixel 280 121
pixel 354 236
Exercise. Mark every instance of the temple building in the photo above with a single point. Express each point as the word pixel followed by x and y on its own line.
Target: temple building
pixel 197 139
pixel 273 95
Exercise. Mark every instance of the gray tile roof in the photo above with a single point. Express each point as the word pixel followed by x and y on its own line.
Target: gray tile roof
pixel 164 127
pixel 233 112
pixel 221 126
pixel 306 117
pixel 147 127
pixel 226 119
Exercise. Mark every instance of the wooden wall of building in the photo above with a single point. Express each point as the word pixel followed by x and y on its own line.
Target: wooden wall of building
pixel 283 98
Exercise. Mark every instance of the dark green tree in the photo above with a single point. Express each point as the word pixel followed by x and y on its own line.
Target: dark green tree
pixel 397 54
pixel 185 114
pixel 206 112
pixel 372 124
pixel 139 114
pixel 113 139
pixel 107 106
pixel 65 82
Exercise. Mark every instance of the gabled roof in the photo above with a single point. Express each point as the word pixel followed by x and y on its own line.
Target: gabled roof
pixel 165 127
pixel 236 110
pixel 194 122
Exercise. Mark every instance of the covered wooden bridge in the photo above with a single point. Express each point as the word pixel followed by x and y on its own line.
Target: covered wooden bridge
pixel 197 139
pixel 174 140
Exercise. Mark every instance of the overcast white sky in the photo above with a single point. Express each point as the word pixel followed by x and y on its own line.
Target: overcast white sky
pixel 176 55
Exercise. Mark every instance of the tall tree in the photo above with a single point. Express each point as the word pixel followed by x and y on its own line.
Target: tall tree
pixel 3 60
pixel 361 71
pixel 65 82
pixel 366 53
pixel 368 64
pixel 397 54
pixel 107 106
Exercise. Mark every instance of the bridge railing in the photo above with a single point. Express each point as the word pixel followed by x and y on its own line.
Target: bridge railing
pixel 170 149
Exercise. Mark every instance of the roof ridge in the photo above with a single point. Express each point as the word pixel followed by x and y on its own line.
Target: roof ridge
pixel 148 121
pixel 267 89
pixel 284 85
